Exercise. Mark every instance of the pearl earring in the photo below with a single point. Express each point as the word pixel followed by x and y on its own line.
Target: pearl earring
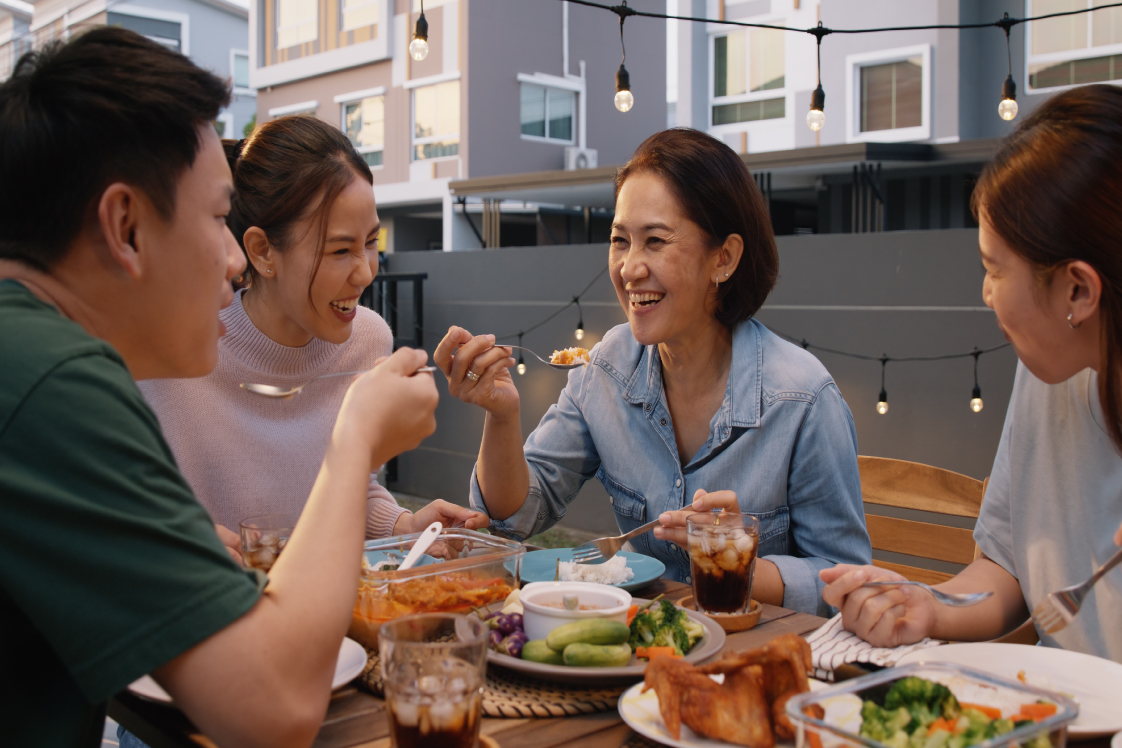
pixel 1069 323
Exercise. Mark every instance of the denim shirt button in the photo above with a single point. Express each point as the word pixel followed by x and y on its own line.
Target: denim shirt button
pixel 678 483
pixel 689 579
pixel 612 500
pixel 662 422
pixel 648 406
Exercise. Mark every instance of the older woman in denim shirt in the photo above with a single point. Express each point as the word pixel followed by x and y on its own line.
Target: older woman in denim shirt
pixel 692 405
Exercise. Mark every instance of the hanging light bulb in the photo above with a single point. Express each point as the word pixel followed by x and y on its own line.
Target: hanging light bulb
pixel 624 99
pixel 816 117
pixel 882 398
pixel 419 47
pixel 521 363
pixel 580 319
pixel 976 396
pixel 1007 109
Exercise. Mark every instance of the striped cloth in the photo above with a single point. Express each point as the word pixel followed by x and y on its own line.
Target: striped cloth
pixel 831 645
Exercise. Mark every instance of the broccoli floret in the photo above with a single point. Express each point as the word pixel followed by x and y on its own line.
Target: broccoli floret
pixel 694 630
pixel 670 614
pixel 885 725
pixel 643 628
pixel 670 636
pixel 935 697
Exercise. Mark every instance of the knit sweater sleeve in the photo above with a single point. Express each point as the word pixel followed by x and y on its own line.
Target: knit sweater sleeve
pixel 382 511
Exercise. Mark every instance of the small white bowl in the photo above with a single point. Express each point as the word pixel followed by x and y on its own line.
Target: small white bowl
pixel 538 619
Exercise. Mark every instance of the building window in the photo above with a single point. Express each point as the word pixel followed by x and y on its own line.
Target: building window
pixel 358 14
pixel 364 121
pixel 167 33
pixel 1074 50
pixel 749 67
pixel 240 70
pixel 548 112
pixel 436 120
pixel 892 95
pixel 297 22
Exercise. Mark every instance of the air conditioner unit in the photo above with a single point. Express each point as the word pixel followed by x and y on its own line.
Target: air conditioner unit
pixel 579 158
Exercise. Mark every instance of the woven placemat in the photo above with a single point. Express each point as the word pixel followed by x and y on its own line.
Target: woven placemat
pixel 513 695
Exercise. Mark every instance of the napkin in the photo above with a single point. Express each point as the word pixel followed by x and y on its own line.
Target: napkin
pixel 831 645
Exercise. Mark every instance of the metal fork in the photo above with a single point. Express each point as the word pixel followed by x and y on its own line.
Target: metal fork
pixel 954 600
pixel 1059 608
pixel 605 548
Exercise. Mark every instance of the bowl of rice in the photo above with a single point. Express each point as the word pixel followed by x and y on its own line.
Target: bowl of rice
pixel 543 605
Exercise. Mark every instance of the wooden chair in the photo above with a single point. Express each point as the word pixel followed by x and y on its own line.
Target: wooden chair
pixel 911 485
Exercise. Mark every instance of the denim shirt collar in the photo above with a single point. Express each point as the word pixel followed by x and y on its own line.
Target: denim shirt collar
pixel 645 385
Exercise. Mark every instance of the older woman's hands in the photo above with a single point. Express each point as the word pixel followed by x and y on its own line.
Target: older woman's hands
pixel 882 616
pixel 491 386
pixel 673 527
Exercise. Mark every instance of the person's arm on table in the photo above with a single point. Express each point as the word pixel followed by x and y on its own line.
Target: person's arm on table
pixel 501 468
pixel 265 679
pixel 892 616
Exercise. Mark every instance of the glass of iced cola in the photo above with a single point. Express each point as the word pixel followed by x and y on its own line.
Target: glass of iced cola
pixel 722 560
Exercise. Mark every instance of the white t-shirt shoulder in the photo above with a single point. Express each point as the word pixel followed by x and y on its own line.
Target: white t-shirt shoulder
pixel 1053 503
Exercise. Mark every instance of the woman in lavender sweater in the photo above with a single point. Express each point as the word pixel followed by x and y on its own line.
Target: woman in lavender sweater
pixel 304 212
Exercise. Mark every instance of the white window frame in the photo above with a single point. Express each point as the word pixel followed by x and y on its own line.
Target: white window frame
pixel 786 92
pixel 414 141
pixel 227 118
pixel 377 15
pixel 277 28
pixel 238 89
pixel 569 87
pixel 355 96
pixel 1068 56
pixel 853 65
pixel 182 19
pixel 304 107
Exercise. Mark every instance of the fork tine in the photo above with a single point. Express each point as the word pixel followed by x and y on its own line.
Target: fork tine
pixel 583 557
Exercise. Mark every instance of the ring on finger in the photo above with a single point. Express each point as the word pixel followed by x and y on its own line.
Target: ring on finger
pixel 472 376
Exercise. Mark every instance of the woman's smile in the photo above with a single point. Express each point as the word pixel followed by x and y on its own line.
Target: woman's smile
pixel 344 309
pixel 644 301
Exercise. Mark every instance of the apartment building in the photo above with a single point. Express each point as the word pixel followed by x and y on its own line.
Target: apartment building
pixel 213 33
pixel 508 87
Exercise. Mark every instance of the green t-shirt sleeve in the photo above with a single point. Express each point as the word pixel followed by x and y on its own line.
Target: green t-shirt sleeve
pixel 103 546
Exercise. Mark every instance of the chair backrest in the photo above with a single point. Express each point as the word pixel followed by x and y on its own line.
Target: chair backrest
pixel 911 485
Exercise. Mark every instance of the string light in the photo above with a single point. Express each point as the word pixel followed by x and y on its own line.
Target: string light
pixel 580 319
pixel 624 99
pixel 521 363
pixel 882 398
pixel 419 47
pixel 976 403
pixel 816 117
pixel 1007 109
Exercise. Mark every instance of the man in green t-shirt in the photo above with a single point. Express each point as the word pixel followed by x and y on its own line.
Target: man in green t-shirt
pixel 114 262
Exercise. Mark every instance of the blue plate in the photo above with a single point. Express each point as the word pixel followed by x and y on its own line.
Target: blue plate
pixel 540 566
pixel 373 557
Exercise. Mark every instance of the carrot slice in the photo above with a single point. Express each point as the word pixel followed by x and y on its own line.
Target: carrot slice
pixel 940 724
pixel 640 652
pixel 631 613
pixel 653 652
pixel 989 711
pixel 1038 711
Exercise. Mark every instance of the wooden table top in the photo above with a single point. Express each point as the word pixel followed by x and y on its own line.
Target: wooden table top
pixel 355 719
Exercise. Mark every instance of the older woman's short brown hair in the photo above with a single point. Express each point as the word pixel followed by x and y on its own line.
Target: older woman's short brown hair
pixel 717 193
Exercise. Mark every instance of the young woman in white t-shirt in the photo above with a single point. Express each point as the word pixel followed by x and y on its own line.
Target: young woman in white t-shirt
pixel 1050 213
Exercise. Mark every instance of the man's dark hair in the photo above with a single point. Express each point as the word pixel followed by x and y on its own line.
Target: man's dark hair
pixel 108 106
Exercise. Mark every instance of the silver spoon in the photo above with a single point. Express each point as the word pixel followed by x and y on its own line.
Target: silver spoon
pixel 946 598
pixel 562 367
pixel 286 393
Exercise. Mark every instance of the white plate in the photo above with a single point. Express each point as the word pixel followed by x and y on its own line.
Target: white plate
pixel 640 712
pixel 1094 683
pixel 352 659
pixel 710 644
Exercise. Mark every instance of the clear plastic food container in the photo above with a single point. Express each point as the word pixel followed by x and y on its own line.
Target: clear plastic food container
pixel 476 570
pixel 840 725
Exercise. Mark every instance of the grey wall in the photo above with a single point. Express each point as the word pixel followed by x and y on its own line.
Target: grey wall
pixel 901 293
pixel 528 33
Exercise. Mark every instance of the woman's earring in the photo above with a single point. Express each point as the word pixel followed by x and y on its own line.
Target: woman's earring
pixel 1069 324
pixel 726 275
pixel 717 281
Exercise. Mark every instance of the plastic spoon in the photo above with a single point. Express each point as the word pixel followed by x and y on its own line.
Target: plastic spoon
pixel 431 533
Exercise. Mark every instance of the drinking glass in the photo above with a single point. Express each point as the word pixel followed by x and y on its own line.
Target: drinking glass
pixel 433 669
pixel 722 560
pixel 264 537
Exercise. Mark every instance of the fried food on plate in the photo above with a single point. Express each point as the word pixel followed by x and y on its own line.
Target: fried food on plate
pixel 748 708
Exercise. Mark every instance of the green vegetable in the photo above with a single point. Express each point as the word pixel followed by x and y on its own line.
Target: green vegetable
pixel 597 655
pixel 914 693
pixel 588 631
pixel 536 650
pixel 665 626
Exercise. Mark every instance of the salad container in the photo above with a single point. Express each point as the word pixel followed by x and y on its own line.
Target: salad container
pixel 842 703
pixel 472 570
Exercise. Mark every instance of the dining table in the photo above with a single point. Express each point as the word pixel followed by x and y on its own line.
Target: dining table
pixel 357 719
